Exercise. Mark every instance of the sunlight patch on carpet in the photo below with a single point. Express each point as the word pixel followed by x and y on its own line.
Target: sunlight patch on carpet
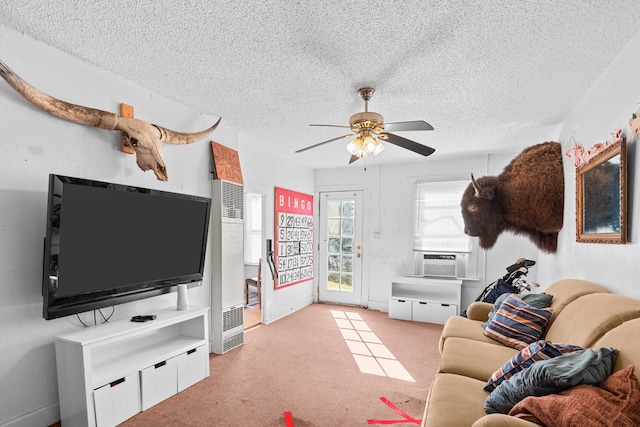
pixel 369 352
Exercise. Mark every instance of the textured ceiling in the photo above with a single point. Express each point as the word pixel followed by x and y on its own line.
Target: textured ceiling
pixel 490 76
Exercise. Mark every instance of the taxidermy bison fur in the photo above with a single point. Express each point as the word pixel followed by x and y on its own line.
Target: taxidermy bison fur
pixel 527 199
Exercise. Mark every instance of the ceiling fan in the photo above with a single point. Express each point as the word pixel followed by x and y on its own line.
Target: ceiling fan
pixel 369 131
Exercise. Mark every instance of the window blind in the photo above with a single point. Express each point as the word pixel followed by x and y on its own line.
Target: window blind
pixel 438 224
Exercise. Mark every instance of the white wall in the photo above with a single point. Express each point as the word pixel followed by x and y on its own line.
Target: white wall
pixel 388 207
pixel 607 105
pixel 34 144
pixel 263 172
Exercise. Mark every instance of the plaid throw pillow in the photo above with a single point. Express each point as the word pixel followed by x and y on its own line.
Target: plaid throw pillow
pixel 517 324
pixel 539 350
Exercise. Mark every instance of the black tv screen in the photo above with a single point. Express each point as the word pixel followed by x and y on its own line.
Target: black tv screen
pixel 108 244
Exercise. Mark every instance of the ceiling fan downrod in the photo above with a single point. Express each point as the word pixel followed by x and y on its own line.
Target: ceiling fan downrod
pixel 366 93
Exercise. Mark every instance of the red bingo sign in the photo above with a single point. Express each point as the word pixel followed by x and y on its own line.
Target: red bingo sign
pixel 293 237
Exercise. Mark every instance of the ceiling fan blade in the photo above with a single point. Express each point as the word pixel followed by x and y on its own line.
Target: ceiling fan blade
pixel 353 159
pixel 324 142
pixel 334 126
pixel 407 143
pixel 407 126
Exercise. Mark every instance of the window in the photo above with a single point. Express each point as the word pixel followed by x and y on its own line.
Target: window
pixel 253 228
pixel 438 224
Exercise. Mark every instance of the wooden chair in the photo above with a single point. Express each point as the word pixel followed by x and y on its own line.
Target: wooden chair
pixel 254 285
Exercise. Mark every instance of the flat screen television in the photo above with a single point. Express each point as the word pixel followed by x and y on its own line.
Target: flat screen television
pixel 108 244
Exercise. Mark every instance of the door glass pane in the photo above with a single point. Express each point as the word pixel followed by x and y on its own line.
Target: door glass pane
pixel 346 282
pixel 347 227
pixel 333 280
pixel 340 230
pixel 347 245
pixel 333 227
pixel 333 209
pixel 348 208
pixel 334 245
pixel 346 264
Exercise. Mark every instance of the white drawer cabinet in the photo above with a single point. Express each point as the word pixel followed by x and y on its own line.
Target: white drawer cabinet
pixel 101 367
pixel 424 299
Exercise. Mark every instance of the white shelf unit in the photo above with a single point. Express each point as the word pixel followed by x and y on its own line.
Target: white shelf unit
pixel 102 367
pixel 424 299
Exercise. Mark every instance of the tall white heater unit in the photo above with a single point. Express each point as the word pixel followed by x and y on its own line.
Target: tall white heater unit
pixel 227 266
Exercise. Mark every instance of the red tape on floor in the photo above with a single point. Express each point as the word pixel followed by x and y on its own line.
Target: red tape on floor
pixel 407 418
pixel 288 419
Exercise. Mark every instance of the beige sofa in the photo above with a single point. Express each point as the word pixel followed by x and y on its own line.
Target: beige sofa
pixel 584 314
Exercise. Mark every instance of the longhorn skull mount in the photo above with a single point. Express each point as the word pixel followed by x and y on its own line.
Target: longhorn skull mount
pixel 145 138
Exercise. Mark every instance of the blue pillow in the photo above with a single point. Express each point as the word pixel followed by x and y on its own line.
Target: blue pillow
pixel 534 352
pixel 552 376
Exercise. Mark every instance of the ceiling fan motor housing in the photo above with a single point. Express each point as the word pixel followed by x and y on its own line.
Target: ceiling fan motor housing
pixel 367 120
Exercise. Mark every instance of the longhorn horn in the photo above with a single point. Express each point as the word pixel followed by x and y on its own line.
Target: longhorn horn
pixel 86 115
pixel 146 139
pixel 64 110
pixel 476 186
pixel 178 138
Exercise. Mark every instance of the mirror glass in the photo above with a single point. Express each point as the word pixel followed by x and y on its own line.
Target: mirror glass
pixel 601 197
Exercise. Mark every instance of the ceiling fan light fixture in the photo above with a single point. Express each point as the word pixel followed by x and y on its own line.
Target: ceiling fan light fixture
pixel 364 145
pixel 369 144
pixel 354 146
pixel 379 148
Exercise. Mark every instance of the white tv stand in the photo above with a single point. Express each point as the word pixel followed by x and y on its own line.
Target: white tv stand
pixel 110 372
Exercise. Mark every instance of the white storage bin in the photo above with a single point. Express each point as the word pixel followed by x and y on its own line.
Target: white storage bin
pixel 400 308
pixel 441 312
pixel 422 311
pixel 192 367
pixel 159 382
pixel 117 401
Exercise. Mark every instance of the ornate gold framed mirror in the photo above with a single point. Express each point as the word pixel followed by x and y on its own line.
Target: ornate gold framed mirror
pixel 601 196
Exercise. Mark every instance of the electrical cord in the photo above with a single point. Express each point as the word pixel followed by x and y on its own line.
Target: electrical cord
pixel 95 318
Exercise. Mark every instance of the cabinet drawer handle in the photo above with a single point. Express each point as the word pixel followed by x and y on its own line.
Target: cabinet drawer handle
pixel 160 365
pixel 116 382
pixel 401 300
pixel 422 302
pixel 193 350
pixel 445 305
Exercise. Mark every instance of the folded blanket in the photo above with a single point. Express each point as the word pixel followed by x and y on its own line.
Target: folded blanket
pixel 615 403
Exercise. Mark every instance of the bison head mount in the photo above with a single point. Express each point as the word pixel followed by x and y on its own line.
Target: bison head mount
pixel 527 198
pixel 146 139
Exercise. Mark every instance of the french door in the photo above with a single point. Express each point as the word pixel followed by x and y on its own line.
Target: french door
pixel 340 260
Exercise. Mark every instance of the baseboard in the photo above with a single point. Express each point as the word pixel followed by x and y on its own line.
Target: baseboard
pixel 379 306
pixel 47 416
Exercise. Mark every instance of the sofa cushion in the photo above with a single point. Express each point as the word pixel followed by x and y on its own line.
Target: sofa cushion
pixel 567 290
pixel 552 376
pixel 588 318
pixel 625 339
pixel 461 327
pixel 516 324
pixel 534 300
pixel 615 403
pixel 454 401
pixel 536 351
pixel 456 358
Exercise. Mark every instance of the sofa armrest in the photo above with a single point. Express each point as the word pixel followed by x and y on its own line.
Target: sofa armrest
pixel 479 310
pixel 501 420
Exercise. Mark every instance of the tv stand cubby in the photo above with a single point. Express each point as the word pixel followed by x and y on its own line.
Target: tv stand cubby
pixel 424 299
pixel 110 372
